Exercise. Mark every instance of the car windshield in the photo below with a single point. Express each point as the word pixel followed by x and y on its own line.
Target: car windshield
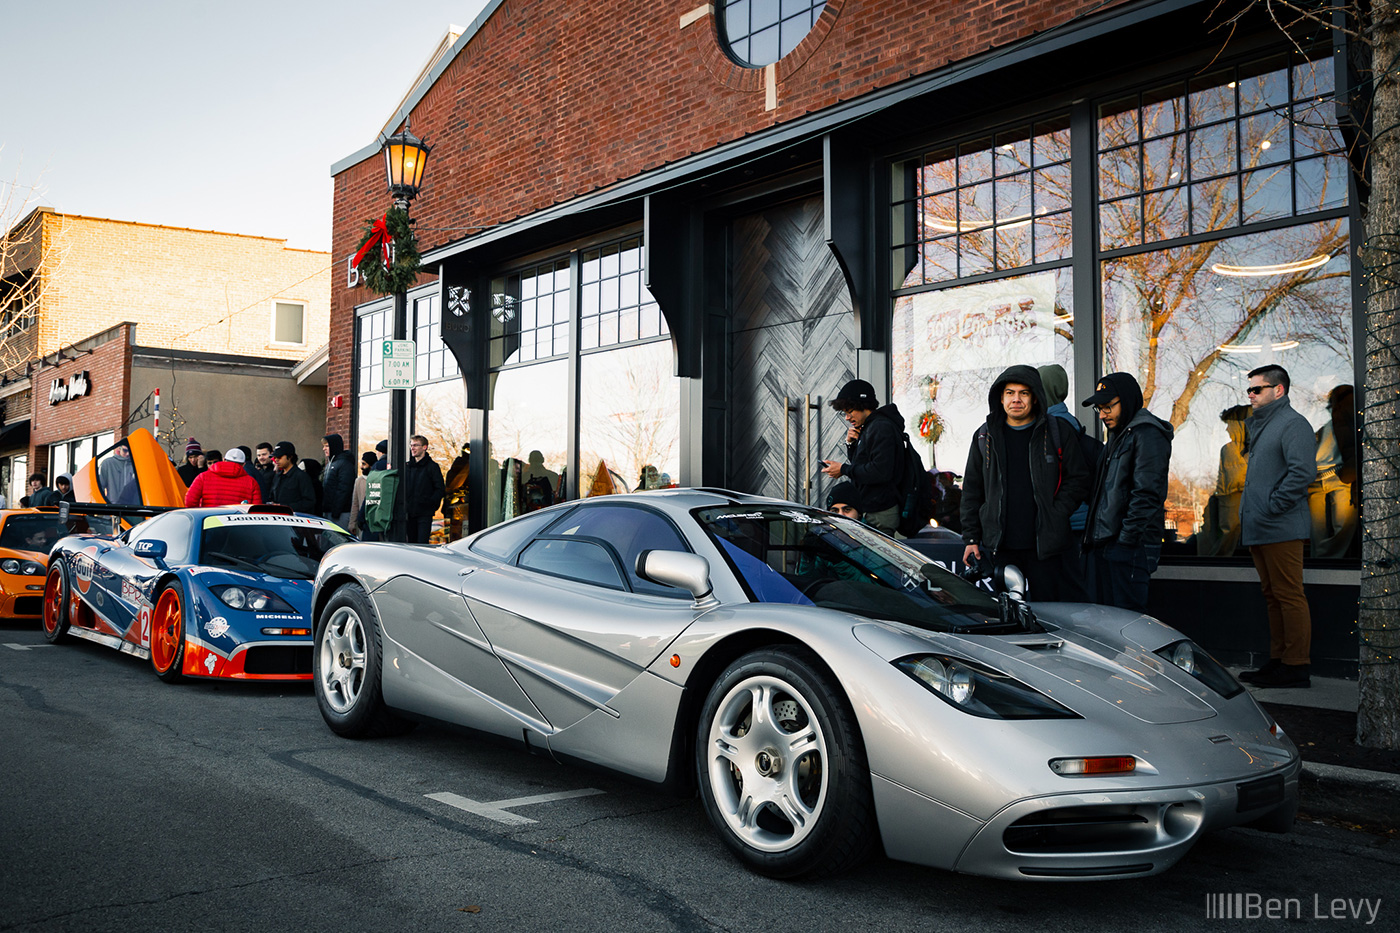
pixel 31 532
pixel 811 558
pixel 291 550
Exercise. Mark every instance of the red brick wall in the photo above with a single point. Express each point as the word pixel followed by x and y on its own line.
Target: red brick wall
pixel 104 409
pixel 551 101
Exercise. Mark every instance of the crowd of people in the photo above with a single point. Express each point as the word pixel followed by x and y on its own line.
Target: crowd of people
pixel 1084 520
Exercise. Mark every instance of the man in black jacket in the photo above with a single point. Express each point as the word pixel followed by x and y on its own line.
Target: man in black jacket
pixel 1025 476
pixel 423 489
pixel 875 449
pixel 291 486
pixel 1123 529
pixel 337 480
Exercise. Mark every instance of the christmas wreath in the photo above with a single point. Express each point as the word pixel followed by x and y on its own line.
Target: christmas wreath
pixel 930 426
pixel 394 266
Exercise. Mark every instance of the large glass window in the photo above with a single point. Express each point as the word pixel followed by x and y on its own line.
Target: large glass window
pixel 530 314
pixel 529 438
pixel 949 346
pixel 1192 321
pixel 629 419
pixel 1233 147
pixel 616 306
pixel 989 204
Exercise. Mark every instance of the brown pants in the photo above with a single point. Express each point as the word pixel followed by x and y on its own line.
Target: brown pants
pixel 1280 569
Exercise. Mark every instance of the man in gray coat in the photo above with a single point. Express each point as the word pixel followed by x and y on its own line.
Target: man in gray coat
pixel 1274 523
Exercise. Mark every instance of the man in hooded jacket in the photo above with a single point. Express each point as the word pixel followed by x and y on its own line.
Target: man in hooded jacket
pixel 1025 476
pixel 874 451
pixel 1123 530
pixel 337 480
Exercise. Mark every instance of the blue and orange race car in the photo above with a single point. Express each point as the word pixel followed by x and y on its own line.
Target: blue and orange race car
pixel 218 592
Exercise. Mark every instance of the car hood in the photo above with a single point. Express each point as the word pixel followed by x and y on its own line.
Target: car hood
pixel 1091 659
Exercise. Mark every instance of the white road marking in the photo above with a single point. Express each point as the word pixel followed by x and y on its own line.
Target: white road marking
pixel 496 809
pixel 18 647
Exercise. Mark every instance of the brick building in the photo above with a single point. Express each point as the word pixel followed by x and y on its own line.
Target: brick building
pixel 103 312
pixel 658 236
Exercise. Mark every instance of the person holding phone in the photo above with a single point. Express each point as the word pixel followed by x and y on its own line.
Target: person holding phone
pixel 875 452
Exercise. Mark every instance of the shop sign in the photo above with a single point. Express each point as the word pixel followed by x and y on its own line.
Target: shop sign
pixel 76 387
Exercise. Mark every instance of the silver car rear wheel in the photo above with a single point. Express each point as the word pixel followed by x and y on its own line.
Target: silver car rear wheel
pixel 781 766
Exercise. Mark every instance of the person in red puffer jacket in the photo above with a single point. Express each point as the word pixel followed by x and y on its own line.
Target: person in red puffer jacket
pixel 224 483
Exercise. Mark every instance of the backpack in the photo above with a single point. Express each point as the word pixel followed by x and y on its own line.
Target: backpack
pixel 381 489
pixel 916 496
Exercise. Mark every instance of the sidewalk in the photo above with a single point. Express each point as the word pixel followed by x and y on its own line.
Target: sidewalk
pixel 1341 780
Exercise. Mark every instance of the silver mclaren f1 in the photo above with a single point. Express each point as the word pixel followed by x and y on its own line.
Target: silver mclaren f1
pixel 827 691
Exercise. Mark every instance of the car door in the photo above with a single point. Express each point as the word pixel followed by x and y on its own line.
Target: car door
pixel 569 617
pixel 124 581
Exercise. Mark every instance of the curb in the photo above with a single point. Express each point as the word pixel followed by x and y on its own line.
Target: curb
pixel 1352 778
pixel 1351 795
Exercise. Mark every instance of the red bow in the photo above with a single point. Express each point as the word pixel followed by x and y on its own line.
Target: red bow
pixel 378 235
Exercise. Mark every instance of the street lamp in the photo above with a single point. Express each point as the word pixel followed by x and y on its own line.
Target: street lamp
pixel 405 158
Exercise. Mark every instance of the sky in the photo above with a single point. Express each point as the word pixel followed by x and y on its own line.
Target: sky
pixel 204 115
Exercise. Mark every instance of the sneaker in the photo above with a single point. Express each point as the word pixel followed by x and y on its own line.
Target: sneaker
pixel 1252 677
pixel 1285 675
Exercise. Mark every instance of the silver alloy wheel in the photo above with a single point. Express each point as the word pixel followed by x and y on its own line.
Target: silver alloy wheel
pixel 342 659
pixel 767 764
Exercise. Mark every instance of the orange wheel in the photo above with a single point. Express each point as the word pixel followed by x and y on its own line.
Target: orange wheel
pixel 168 635
pixel 56 604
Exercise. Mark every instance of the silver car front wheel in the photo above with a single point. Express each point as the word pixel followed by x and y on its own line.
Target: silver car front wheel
pixel 782 768
pixel 347 666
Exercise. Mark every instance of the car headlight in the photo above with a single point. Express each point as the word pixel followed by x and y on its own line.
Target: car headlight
pixel 26 568
pixel 1192 659
pixel 979 690
pixel 249 599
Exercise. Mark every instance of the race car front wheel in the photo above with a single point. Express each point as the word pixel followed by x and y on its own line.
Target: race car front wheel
pixel 347 666
pixel 782 768
pixel 168 635
pixel 56 604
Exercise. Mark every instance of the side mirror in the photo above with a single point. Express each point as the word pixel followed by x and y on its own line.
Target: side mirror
pixel 151 548
pixel 689 572
pixel 1014 581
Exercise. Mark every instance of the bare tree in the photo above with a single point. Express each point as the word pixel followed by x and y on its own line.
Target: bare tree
pixel 30 253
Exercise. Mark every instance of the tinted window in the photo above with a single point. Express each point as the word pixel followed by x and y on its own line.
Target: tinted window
pixel 31 532
pixel 631 531
pixel 585 561
pixel 500 542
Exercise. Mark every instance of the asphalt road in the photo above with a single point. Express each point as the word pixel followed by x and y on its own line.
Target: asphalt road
pixel 134 805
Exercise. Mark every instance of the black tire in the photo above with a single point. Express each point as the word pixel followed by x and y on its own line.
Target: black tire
pixel 57 593
pixel 792 796
pixel 347 668
pixel 168 634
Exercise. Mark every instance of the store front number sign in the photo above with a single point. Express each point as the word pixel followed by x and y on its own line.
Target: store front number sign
pixel 398 364
pixel 76 387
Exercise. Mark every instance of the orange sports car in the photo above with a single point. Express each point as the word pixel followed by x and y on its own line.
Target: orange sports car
pixel 26 535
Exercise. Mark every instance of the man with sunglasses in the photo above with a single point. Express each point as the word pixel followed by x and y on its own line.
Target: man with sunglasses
pixel 1274 523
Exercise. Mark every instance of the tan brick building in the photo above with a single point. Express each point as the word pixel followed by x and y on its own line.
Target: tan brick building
pixel 218 321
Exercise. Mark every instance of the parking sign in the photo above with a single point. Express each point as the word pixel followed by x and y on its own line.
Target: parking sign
pixel 398 364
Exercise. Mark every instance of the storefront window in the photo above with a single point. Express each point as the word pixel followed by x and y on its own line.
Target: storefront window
pixel 433 360
pixel 530 314
pixel 629 419
pixel 985 205
pixel 1192 321
pixel 528 431
pixel 1237 146
pixel 951 344
pixel 371 421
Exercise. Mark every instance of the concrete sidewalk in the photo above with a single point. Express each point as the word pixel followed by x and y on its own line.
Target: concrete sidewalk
pixel 1351 794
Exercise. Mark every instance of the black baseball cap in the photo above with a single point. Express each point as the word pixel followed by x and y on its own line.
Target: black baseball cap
pixel 285 449
pixel 1110 387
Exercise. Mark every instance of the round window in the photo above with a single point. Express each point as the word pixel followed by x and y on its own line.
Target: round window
pixel 759 32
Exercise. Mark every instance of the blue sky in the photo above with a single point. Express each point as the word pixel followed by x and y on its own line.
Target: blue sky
pixel 205 115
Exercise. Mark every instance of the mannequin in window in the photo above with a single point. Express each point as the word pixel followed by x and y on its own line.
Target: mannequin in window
pixel 1332 496
pixel 1220 527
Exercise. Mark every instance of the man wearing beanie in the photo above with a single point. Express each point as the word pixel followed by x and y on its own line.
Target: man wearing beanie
pixel 194 462
pixel 844 499
pixel 1123 532
pixel 224 483
pixel 874 453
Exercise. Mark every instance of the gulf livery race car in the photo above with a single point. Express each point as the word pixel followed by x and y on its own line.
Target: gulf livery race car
pixel 220 592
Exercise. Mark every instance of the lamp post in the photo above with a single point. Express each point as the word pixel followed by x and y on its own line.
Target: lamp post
pixel 405 158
